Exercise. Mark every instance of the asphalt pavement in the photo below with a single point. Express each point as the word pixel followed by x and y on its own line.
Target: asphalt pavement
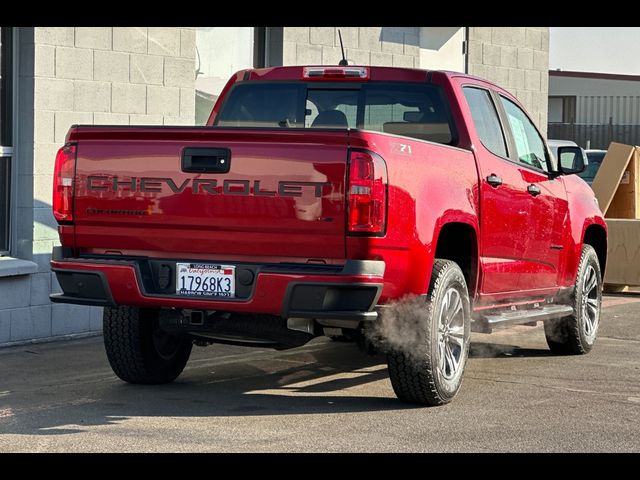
pixel 329 397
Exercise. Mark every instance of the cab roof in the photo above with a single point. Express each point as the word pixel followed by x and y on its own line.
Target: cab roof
pixel 394 74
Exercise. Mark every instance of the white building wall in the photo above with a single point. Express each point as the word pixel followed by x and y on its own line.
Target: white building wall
pixel 441 48
pixel 222 51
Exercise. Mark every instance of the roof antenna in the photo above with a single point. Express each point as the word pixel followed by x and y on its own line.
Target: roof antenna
pixel 343 62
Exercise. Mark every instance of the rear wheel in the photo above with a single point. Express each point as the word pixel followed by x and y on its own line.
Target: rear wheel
pixel 576 333
pixel 138 350
pixel 431 371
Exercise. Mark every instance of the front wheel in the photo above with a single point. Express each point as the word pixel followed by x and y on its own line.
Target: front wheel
pixel 576 333
pixel 138 350
pixel 430 371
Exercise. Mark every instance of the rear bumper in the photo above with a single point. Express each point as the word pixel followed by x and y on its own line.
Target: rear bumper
pixel 304 291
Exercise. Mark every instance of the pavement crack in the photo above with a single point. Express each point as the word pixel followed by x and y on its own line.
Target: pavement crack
pixel 620 339
pixel 557 387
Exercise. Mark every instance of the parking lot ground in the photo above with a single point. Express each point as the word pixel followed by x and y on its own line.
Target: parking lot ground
pixel 329 397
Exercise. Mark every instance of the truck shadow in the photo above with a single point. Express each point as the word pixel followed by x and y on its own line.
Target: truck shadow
pixel 322 378
pixel 497 350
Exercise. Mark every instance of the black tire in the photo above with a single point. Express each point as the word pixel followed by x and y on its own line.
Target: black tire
pixel 138 350
pixel 419 374
pixel 576 333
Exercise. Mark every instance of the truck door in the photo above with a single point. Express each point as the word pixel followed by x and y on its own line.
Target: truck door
pixel 504 201
pixel 547 200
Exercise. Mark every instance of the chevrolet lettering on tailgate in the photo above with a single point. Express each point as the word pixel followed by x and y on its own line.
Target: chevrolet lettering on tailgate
pixel 101 183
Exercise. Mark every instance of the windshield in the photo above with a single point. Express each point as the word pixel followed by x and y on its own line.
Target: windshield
pixel 595 159
pixel 412 110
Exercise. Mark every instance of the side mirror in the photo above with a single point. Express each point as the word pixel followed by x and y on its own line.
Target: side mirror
pixel 571 160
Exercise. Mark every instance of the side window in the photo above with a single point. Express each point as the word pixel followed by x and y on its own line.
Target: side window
pixel 485 119
pixel 529 144
pixel 415 111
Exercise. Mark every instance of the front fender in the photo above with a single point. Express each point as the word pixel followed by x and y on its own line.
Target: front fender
pixel 584 212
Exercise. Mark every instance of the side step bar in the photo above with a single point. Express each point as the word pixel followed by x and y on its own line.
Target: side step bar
pixel 486 323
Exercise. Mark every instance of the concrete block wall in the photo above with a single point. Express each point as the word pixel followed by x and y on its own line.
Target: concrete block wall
pixel 516 58
pixel 89 75
pixel 381 46
pixel 108 75
pixel 26 312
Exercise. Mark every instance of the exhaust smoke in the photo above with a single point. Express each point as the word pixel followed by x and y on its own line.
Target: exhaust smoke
pixel 401 327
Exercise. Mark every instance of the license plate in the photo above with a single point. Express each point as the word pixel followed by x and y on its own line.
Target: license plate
pixel 206 280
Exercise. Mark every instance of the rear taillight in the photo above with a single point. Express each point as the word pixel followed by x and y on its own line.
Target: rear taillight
pixel 367 193
pixel 63 174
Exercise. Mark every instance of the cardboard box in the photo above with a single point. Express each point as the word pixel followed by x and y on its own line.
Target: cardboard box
pixel 616 184
pixel 623 252
pixel 617 188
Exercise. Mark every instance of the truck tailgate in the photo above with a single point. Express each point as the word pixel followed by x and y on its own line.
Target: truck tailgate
pixel 283 194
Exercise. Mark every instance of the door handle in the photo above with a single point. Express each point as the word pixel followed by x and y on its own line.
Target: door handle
pixel 534 190
pixel 494 180
pixel 206 160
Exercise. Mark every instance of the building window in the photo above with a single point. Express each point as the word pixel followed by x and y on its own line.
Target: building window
pixel 268 47
pixel 6 132
pixel 222 51
pixel 562 109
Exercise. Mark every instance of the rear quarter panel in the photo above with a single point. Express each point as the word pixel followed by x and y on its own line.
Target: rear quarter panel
pixel 429 185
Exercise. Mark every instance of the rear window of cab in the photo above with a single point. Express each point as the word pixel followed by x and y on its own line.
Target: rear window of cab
pixel 412 110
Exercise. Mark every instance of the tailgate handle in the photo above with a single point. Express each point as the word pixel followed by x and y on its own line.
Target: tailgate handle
pixel 206 160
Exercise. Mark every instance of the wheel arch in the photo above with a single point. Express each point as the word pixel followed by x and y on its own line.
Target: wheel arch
pixel 458 242
pixel 596 236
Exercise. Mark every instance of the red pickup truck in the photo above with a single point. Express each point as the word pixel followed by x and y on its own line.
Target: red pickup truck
pixel 420 205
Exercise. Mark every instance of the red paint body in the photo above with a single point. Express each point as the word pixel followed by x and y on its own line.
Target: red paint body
pixel 430 186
